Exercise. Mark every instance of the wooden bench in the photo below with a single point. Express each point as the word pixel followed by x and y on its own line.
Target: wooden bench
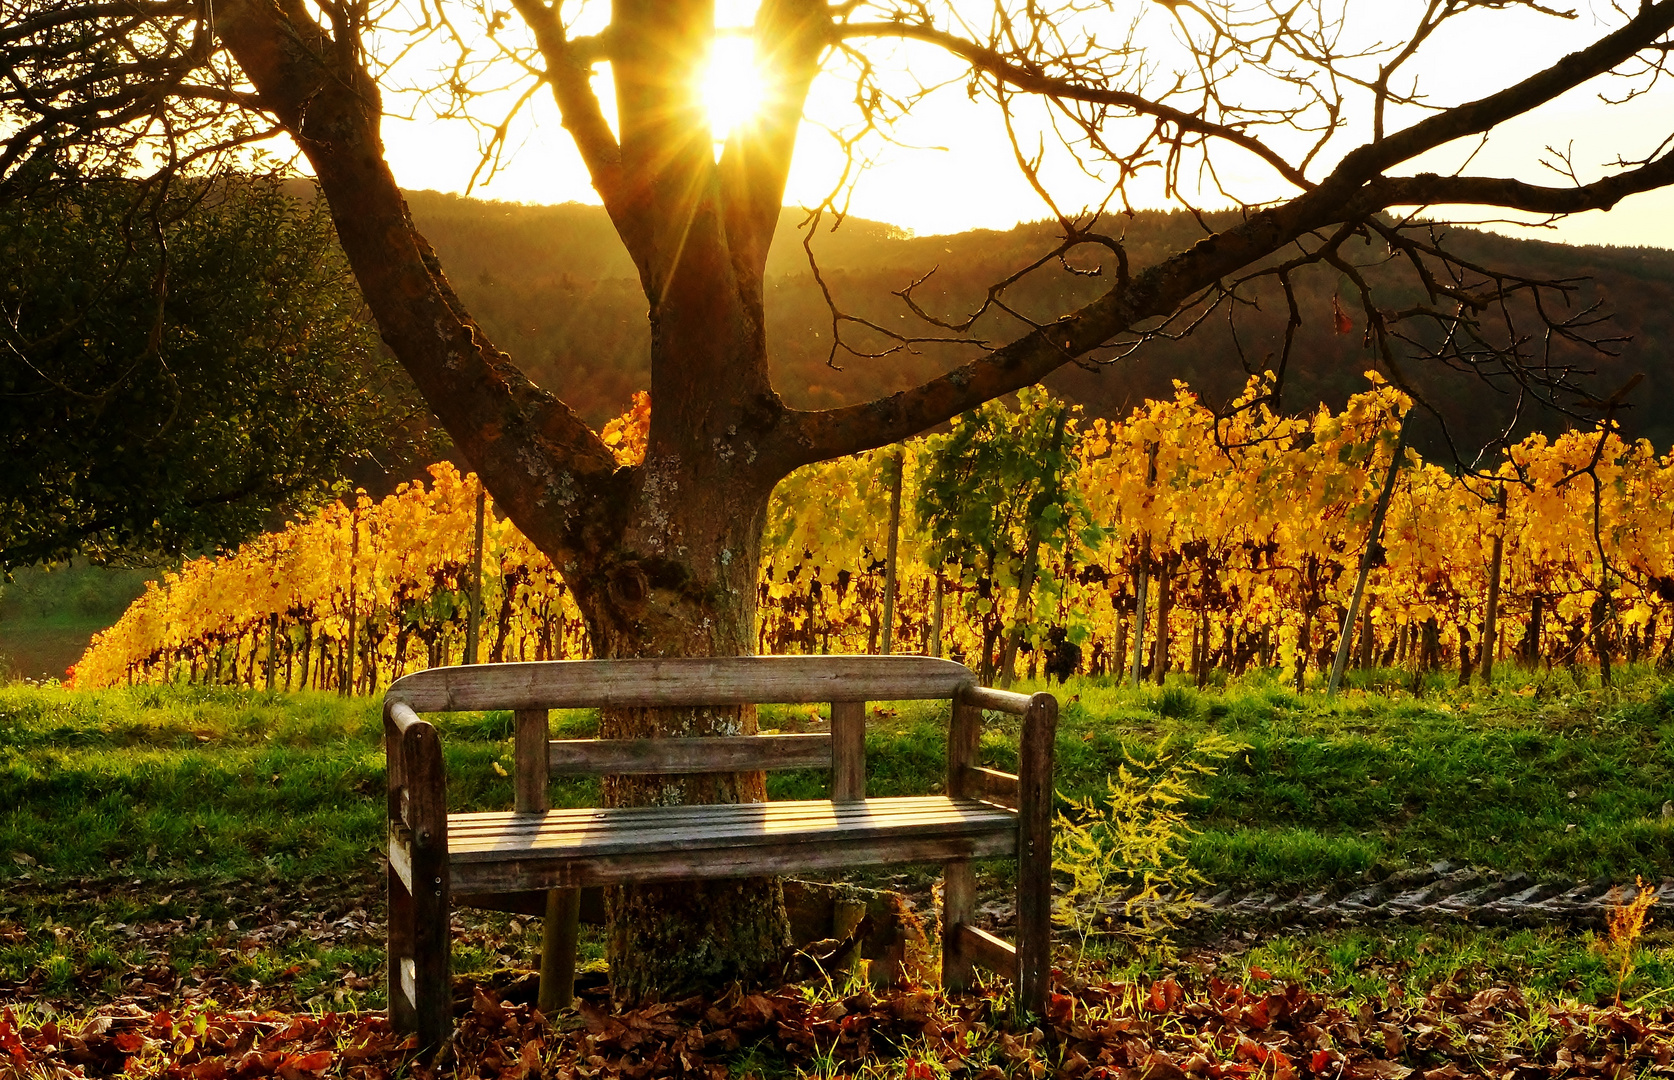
pixel 437 858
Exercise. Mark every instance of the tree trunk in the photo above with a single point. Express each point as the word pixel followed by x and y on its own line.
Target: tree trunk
pixel 1602 610
pixel 682 583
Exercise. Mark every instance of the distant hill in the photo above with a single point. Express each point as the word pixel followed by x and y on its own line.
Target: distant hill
pixel 554 288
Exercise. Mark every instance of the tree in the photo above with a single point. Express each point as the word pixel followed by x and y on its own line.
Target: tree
pixel 662 556
pixel 179 371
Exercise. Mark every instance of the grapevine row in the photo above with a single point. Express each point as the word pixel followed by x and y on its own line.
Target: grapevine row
pixel 1234 542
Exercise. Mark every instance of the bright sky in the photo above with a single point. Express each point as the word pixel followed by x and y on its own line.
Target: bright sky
pixel 948 165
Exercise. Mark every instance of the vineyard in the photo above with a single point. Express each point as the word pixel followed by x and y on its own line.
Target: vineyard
pixel 1025 539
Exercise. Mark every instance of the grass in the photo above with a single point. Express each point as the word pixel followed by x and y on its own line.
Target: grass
pixel 1362 963
pixel 49 613
pixel 1545 776
pixel 162 803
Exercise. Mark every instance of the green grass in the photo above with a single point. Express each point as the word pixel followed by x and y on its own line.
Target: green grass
pixel 1363 963
pixel 1330 788
pixel 1542 775
pixel 48 613
pixel 213 797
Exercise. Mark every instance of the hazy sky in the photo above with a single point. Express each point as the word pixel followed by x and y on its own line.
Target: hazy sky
pixel 949 167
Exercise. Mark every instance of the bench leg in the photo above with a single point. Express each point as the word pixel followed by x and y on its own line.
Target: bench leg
pixel 558 947
pixel 431 960
pixel 402 1016
pixel 958 905
pixel 1034 921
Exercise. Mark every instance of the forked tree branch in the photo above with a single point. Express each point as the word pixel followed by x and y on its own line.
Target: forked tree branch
pixel 1355 190
pixel 541 459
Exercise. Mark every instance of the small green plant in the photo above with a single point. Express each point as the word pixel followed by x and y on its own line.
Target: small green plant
pixel 1178 703
pixel 1132 843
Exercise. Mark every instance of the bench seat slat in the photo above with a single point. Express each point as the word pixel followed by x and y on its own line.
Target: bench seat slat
pixel 464 824
pixel 636 835
pixel 650 831
pixel 843 851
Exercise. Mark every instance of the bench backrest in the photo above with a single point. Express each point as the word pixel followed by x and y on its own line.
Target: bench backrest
pixel 846 682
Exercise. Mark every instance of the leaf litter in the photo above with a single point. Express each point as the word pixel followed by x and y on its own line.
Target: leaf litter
pixel 1161 1030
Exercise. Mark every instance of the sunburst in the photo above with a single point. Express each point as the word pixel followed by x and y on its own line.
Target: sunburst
pixel 733 88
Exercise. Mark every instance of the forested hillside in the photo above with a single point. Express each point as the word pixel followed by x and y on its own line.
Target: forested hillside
pixel 554 287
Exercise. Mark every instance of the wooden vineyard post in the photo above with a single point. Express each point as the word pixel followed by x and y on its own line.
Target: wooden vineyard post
pixel 1367 557
pixel 936 617
pixel 346 682
pixel 1491 612
pixel 473 617
pixel 964 737
pixel 1144 577
pixel 1165 601
pixel 898 468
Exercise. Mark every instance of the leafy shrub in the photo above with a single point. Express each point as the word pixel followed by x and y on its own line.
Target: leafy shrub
pixel 1132 843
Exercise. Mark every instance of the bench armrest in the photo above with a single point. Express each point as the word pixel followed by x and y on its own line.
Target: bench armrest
pixel 418 794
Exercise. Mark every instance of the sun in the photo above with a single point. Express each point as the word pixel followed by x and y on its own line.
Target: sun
pixel 733 90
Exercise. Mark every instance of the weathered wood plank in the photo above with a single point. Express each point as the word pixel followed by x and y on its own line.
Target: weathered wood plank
pixel 734 680
pixel 632 830
pixel 993 786
pixel 1005 701
pixel 758 860
pixel 1034 854
pixel 848 751
pixel 958 906
pixel 534 903
pixel 398 948
pixel 464 825
pixel 398 873
pixel 400 862
pixel 529 750
pixel 964 735
pixel 409 979
pixel 399 714
pixel 431 945
pixel 395 760
pixel 559 936
pixel 985 949
pixel 744 753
